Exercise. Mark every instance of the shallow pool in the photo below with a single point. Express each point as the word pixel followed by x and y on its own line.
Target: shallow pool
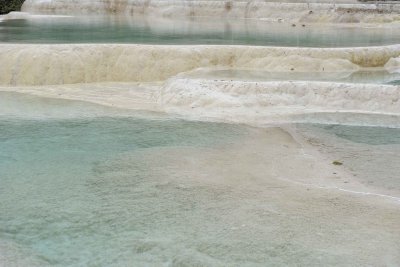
pixel 83 190
pixel 370 153
pixel 150 30
pixel 373 76
pixel 82 184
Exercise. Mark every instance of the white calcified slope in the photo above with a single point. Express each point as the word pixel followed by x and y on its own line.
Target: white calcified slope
pixel 83 63
pixel 253 103
pixel 310 12
pixel 393 65
pixel 260 102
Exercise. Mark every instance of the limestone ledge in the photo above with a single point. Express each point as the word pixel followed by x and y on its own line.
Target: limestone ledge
pixel 281 11
pixel 259 102
pixel 393 65
pixel 254 103
pixel 25 64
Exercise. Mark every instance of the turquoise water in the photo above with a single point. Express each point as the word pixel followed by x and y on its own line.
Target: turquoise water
pixel 79 182
pixel 85 185
pixel 365 134
pixel 197 31
pixel 396 82
pixel 82 191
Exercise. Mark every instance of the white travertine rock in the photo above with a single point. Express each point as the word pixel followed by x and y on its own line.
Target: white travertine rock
pixel 253 102
pixel 15 15
pixel 305 12
pixel 27 16
pixel 84 63
pixel 393 65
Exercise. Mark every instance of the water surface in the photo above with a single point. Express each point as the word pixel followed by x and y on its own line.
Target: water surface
pixel 78 190
pixel 197 31
pixel 370 153
pixel 371 75
pixel 83 185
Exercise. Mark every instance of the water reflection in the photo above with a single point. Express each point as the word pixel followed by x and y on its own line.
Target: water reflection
pixel 139 29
